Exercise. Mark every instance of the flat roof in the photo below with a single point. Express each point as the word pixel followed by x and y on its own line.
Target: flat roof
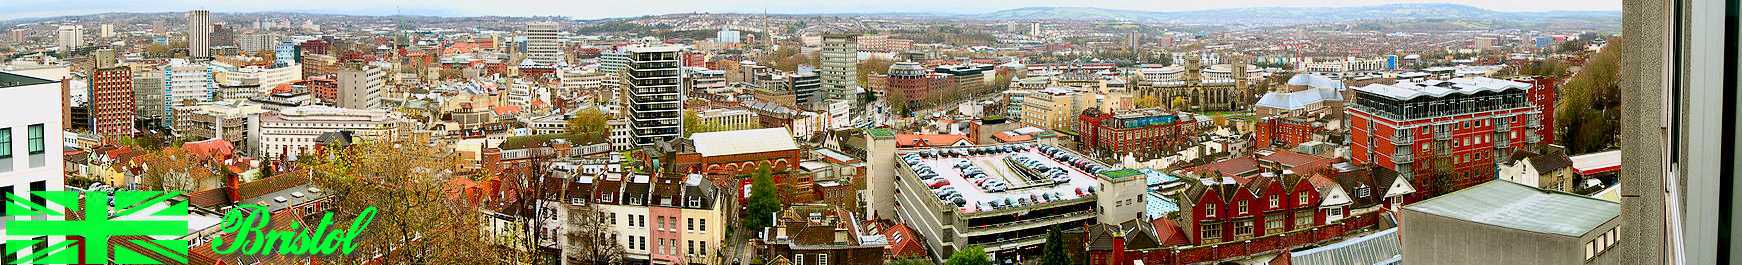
pixel 1594 163
pixel 743 141
pixel 1515 206
pixel 1021 191
pixel 17 80
pixel 1437 88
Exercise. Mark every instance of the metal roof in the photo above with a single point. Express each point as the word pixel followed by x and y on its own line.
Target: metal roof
pixel 1515 206
pixel 1377 248
pixel 1437 88
pixel 743 141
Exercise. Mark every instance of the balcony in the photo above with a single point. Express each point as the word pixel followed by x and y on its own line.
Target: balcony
pixel 1403 157
pixel 1533 124
pixel 1502 142
pixel 1402 138
pixel 1443 151
pixel 1444 135
pixel 1532 139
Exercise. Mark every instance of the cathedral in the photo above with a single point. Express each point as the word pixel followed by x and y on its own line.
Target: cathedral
pixel 1192 87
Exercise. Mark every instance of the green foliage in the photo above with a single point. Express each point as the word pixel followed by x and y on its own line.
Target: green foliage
pixel 588 126
pixel 763 200
pixel 1590 104
pixel 619 26
pixel 692 124
pixel 973 255
pixel 1053 253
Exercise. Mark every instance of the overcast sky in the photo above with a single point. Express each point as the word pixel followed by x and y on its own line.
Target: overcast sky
pixel 588 9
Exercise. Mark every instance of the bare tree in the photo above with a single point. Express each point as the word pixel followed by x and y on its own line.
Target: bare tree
pixel 591 240
pixel 418 221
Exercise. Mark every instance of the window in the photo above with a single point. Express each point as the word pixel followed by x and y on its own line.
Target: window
pixel 822 259
pixel 1242 207
pixel 36 147
pixel 1275 201
pixel 1273 224
pixel 613 218
pixel 689 224
pixel 798 259
pixel 1302 220
pixel 704 249
pixel 690 247
pixel 1209 210
pixel 5 142
pixel 1362 192
pixel 704 223
pixel 1212 233
pixel 1243 230
pixel 1303 198
pixel 1590 250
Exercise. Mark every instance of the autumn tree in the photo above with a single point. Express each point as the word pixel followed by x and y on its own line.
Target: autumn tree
pixel 1147 101
pixel 693 123
pixel 174 169
pixel 1590 104
pixel 418 220
pixel 872 66
pixel 589 126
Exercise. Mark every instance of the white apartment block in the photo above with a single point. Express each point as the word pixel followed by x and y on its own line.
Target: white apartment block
pixel 30 141
pixel 360 86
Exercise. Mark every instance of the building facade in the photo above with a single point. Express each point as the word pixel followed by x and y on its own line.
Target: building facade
pixel 1145 133
pixel 199 34
pixel 360 86
pixel 1442 135
pixel 292 131
pixel 542 45
pixel 30 141
pixel 655 99
pixel 111 105
pixel 840 59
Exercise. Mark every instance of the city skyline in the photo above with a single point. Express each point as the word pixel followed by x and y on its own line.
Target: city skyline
pixel 597 10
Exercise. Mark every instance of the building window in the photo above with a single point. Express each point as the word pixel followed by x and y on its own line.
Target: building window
pixel 1274 224
pixel 798 259
pixel 704 225
pixel 1302 220
pixel 822 259
pixel 36 145
pixel 1303 198
pixel 1209 210
pixel 1362 192
pixel 1275 201
pixel 5 142
pixel 1242 207
pixel 1243 230
pixel 704 248
pixel 689 224
pixel 1212 233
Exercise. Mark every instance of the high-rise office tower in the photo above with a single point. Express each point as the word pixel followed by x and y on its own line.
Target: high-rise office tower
pixel 839 62
pixel 70 37
pixel 200 34
pixel 111 105
pixel 106 31
pixel 360 86
pixel 542 45
pixel 185 83
pixel 655 100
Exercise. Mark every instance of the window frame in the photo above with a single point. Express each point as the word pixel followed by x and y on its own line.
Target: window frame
pixel 35 141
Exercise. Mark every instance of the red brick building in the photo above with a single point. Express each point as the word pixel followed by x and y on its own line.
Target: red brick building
pixel 111 104
pixel 1284 132
pixel 912 81
pixel 1145 133
pixel 1443 135
pixel 1542 94
pixel 324 88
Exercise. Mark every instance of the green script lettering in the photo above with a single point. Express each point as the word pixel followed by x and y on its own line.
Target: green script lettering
pixel 247 227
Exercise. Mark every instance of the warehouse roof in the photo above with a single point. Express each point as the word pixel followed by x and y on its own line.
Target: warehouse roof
pixel 1515 206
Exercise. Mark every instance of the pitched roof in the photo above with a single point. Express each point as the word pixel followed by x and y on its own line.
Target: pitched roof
pixel 743 141
pixel 1515 206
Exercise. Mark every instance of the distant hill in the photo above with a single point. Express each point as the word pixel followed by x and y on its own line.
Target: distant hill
pixel 1291 15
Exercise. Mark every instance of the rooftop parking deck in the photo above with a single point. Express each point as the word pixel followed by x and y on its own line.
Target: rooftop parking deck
pixel 989 178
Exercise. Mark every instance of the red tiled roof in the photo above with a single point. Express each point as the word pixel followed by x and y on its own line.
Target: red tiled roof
pixel 1169 233
pixel 1228 167
pixel 908 246
pixel 1012 138
pixel 211 148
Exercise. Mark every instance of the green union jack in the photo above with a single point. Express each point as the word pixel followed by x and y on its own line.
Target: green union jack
pixel 90 224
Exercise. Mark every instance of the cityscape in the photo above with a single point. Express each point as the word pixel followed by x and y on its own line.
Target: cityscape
pixel 966 133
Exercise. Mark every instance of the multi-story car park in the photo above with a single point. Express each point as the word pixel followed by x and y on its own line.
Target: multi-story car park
pixel 1001 197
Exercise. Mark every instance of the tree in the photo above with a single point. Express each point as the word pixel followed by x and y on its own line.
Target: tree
pixel 872 66
pixel 1590 104
pixel 589 126
pixel 1054 250
pixel 1179 102
pixel 173 169
pixel 265 166
pixel 898 101
pixel 973 255
pixel 589 235
pixel 910 261
pixel 417 221
pixel 1147 101
pixel 763 200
